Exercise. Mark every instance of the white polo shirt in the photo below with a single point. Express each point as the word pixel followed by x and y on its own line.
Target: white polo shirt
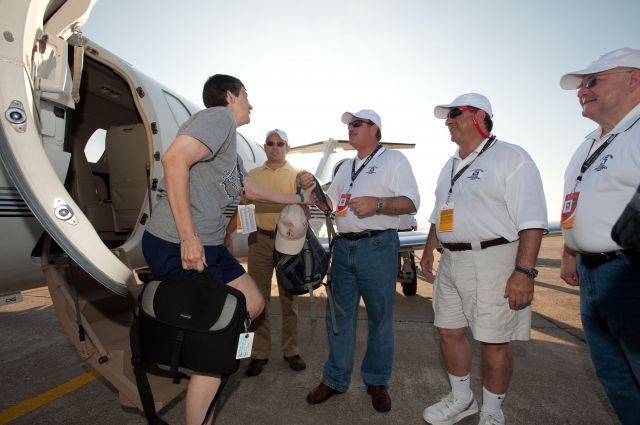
pixel 606 187
pixel 388 174
pixel 499 195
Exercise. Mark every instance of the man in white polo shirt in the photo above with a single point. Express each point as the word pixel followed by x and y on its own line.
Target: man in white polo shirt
pixel 599 182
pixel 489 216
pixel 368 194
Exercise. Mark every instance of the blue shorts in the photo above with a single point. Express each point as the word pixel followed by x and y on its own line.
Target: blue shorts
pixel 164 259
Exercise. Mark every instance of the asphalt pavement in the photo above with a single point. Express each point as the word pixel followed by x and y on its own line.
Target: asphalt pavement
pixel 553 381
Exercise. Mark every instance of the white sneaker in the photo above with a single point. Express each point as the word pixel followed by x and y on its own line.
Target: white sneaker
pixel 493 418
pixel 449 410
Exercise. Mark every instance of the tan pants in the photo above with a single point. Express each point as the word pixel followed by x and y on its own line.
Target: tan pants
pixel 261 270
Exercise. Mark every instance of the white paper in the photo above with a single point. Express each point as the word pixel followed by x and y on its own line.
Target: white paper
pixel 247 218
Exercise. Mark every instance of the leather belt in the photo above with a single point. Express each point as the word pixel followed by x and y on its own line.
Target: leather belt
pixel 592 260
pixel 465 246
pixel 360 235
pixel 269 233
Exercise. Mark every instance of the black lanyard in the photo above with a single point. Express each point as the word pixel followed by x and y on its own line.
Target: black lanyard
pixel 591 158
pixel 460 172
pixel 354 173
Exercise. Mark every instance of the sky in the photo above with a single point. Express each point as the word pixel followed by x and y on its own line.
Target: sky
pixel 306 62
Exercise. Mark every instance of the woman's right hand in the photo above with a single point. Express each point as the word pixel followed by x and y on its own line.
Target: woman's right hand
pixel 251 190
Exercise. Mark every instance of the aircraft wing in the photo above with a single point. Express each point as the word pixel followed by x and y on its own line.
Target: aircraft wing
pixel 344 145
pixel 409 241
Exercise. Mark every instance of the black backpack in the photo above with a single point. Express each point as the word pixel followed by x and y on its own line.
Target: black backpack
pixel 302 273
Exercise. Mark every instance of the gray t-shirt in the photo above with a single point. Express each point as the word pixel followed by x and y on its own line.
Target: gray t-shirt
pixel 213 183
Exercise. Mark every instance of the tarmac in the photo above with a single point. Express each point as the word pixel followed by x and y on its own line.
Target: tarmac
pixel 553 380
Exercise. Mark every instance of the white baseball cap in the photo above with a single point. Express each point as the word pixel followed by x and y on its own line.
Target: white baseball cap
pixel 475 100
pixel 365 114
pixel 292 230
pixel 280 133
pixel 621 57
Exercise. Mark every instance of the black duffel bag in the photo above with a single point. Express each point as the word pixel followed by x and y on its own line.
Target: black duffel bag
pixel 185 324
pixel 626 230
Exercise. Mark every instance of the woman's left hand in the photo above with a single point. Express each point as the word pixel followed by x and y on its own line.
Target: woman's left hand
pixel 192 253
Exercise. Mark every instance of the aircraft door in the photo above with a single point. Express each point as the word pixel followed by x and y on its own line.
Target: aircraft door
pixel 34 67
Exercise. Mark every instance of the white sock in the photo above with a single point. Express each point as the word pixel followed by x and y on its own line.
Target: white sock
pixel 461 387
pixel 492 403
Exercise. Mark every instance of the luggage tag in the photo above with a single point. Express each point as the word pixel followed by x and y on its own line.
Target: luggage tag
pixel 343 205
pixel 446 218
pixel 244 345
pixel 247 214
pixel 569 210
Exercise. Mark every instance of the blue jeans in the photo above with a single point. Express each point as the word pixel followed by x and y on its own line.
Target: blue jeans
pixel 364 268
pixel 610 311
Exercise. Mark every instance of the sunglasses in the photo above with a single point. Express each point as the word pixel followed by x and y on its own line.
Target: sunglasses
pixel 592 81
pixel 358 123
pixel 278 144
pixel 457 111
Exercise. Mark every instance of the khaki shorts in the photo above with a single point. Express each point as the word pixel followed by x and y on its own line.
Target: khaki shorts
pixel 469 291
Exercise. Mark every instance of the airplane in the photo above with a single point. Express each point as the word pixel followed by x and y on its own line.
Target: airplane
pixel 81 139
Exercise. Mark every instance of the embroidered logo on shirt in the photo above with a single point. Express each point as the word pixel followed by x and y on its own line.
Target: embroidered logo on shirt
pixel 601 166
pixel 232 182
pixel 372 169
pixel 475 174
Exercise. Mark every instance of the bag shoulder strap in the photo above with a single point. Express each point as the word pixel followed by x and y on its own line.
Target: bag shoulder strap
pixel 142 382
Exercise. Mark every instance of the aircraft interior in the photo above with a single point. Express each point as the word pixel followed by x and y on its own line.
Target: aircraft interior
pixel 110 187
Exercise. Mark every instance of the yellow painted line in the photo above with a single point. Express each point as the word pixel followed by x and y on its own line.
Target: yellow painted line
pixel 32 404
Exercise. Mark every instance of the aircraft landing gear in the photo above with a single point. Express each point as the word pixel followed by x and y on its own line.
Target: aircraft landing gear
pixel 407 275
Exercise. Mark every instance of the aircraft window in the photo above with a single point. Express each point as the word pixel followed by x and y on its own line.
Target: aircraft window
pixel 244 149
pixel 94 149
pixel 178 110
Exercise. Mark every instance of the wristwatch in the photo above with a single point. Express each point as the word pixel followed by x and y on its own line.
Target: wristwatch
pixel 380 204
pixel 532 273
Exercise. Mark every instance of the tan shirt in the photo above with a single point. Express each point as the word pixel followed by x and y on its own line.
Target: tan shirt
pixel 283 180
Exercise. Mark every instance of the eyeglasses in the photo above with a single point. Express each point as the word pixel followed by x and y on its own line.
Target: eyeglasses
pixel 279 144
pixel 457 111
pixel 592 81
pixel 358 123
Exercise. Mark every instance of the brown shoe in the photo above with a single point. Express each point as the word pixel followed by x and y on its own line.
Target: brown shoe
pixel 321 393
pixel 379 398
pixel 255 367
pixel 296 363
